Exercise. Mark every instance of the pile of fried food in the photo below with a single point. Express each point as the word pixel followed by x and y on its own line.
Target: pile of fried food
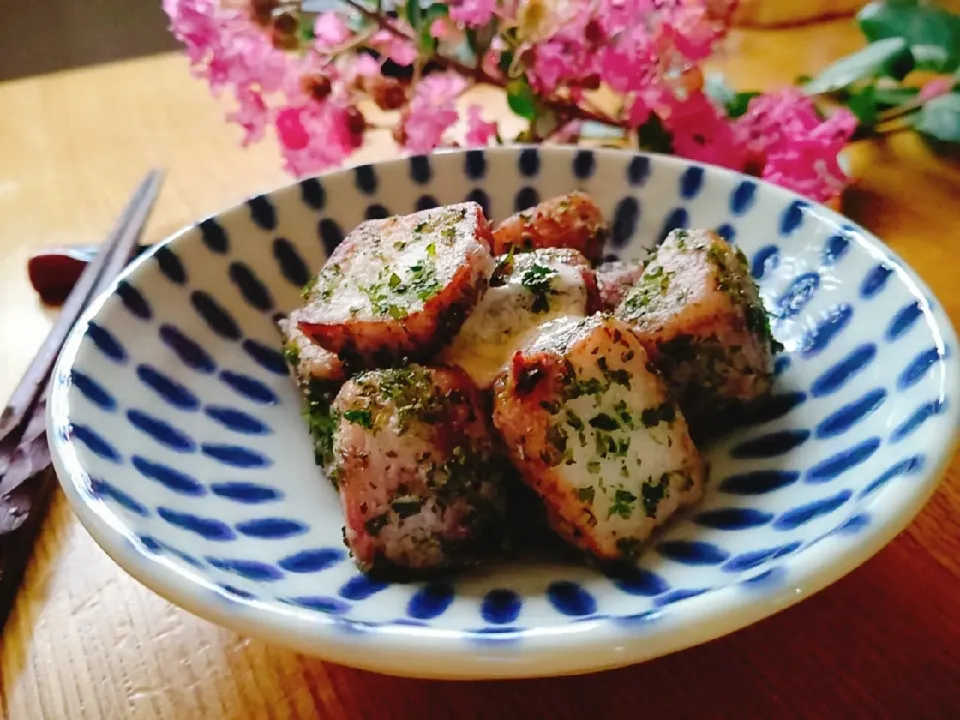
pixel 441 359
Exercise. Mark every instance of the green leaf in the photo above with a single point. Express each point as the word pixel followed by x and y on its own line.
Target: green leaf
pixel 884 58
pixel 920 25
pixel 940 118
pixel 653 136
pixel 863 104
pixel 414 13
pixel 428 43
pixel 735 103
pixel 521 98
pixel 894 95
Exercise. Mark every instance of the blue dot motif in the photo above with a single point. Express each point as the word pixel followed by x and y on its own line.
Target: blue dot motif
pixel 480 198
pixel 208 528
pixel 626 215
pixel 904 320
pixel 834 249
pixel 501 607
pixel 266 357
pixel 426 202
pixel 733 518
pixel 92 390
pixel 691 182
pixel 529 162
pixel 172 392
pixel 249 569
pixel 330 235
pixel 641 582
pixel 175 480
pixel 676 220
pixel 188 351
pixel 584 164
pixel 311 561
pixel 475 164
pixel 792 217
pixel 106 342
pixel 817 339
pixel 918 418
pixel 742 197
pixel 430 601
pixel 214 236
pixel 792 519
pixel 313 194
pixel 247 493
pixel 527 198
pixel 320 603
pixel 692 552
pixel 420 170
pixel 758 482
pixel 94 442
pixel 638 170
pixel 291 264
pixel 134 300
pixel 170 265
pixel 376 211
pixel 797 295
pixel 767 259
pixel 841 462
pixel 908 466
pixel 837 376
pixel 249 387
pixel 235 456
pixel 875 281
pixel 250 286
pixel 263 213
pixel 271 528
pixel 361 587
pixel 919 367
pixel 214 315
pixel 161 431
pixel 237 420
pixel 850 414
pixel 366 179
pixel 771 445
pixel 103 490
pixel 569 598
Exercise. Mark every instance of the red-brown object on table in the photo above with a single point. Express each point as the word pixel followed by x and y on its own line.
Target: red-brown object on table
pixel 54 271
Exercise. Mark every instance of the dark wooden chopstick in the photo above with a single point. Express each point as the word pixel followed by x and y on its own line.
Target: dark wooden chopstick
pixel 26 476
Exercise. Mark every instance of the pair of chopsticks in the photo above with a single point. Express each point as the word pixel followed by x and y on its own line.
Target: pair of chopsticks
pixel 26 475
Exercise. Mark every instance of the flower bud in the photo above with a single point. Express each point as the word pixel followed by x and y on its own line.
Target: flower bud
pixel 284 31
pixel 356 124
pixel 262 11
pixel 388 93
pixel 316 86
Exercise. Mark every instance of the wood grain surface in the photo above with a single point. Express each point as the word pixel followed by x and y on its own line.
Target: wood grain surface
pixel 87 641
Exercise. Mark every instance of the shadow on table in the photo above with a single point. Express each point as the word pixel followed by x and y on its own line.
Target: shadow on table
pixel 47 36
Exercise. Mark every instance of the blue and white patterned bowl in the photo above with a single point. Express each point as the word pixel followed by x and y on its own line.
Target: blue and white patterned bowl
pixel 178 437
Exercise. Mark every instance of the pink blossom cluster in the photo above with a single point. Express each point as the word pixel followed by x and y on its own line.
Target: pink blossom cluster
pixel 648 52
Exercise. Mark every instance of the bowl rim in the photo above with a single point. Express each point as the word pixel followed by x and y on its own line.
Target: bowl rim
pixel 599 643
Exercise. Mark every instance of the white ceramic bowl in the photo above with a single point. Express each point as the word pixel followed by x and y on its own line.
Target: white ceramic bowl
pixel 177 433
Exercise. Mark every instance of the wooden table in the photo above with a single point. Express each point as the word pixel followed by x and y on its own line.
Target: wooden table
pixel 86 641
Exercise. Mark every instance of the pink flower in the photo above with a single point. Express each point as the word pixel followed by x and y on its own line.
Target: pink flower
pixel 479 132
pixel 935 88
pixel 702 132
pixel 330 31
pixel 314 136
pixel 251 114
pixel 431 111
pixel 790 145
pixel 615 16
pixel 474 13
pixel 629 64
pixel 567 56
pixel 690 31
pixel 398 49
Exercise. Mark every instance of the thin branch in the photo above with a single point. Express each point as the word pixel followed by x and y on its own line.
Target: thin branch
pixel 478 74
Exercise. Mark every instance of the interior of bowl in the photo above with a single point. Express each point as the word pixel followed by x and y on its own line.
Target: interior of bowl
pixel 179 439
